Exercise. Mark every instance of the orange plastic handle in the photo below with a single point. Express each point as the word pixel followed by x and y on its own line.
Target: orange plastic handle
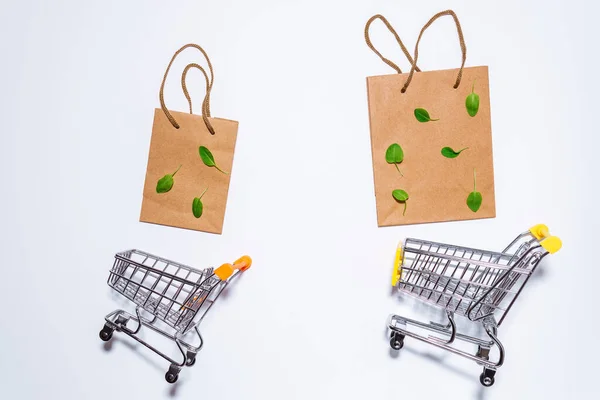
pixel 243 263
pixel 226 270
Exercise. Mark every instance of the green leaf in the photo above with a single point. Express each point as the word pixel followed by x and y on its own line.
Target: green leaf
pixel 475 198
pixel 422 115
pixel 165 183
pixel 474 201
pixel 394 155
pixel 208 159
pixel 400 196
pixel 472 102
pixel 206 156
pixel 197 206
pixel 449 153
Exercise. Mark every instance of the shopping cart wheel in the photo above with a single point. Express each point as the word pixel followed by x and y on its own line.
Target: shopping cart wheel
pixel 171 378
pixel 190 360
pixel 172 374
pixel 396 340
pixel 106 333
pixel 487 377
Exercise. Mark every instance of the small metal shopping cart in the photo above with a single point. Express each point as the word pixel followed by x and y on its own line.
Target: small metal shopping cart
pixel 171 299
pixel 477 284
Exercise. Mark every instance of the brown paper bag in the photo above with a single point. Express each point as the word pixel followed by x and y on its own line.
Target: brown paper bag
pixel 174 148
pixel 438 187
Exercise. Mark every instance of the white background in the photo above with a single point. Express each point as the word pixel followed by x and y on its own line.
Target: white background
pixel 80 83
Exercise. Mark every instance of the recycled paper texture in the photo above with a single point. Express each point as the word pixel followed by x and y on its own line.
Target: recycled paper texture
pixel 170 148
pixel 186 187
pixel 437 186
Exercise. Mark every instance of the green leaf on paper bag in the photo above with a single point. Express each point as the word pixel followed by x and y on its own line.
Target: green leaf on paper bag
pixel 401 197
pixel 422 115
pixel 208 159
pixel 394 155
pixel 165 183
pixel 474 199
pixel 449 153
pixel 197 206
pixel 472 102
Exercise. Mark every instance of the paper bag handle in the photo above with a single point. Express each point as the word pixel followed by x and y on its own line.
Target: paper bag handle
pixel 206 104
pixel 461 39
pixel 393 31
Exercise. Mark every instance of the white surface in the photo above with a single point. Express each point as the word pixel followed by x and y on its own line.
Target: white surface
pixel 80 84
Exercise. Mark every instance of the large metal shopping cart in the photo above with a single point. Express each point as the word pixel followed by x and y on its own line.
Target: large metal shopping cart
pixel 477 284
pixel 171 299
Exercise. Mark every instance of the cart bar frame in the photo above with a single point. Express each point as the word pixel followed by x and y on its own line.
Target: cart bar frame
pixel 177 298
pixel 479 285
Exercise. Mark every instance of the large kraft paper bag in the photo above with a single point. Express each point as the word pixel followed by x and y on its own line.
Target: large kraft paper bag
pixel 197 198
pixel 425 113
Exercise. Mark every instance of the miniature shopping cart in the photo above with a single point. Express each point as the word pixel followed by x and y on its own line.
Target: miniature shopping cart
pixel 477 284
pixel 171 299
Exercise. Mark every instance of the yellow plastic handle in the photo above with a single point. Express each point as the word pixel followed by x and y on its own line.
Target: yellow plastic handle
pixel 226 270
pixel 397 273
pixel 552 244
pixel 540 231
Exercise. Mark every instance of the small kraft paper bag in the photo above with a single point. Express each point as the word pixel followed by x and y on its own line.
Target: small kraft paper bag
pixel 431 140
pixel 189 163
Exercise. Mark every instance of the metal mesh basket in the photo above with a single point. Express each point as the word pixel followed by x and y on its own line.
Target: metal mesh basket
pixel 481 285
pixel 172 292
pixel 466 281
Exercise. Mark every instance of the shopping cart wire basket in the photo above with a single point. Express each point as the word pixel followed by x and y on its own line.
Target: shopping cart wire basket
pixel 479 285
pixel 171 299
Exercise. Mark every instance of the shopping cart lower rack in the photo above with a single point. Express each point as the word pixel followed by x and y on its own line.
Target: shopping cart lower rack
pixel 477 284
pixel 171 299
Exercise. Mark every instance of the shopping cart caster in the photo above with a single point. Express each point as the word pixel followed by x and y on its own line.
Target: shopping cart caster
pixel 190 359
pixel 487 377
pixel 172 374
pixel 106 333
pixel 396 340
pixel 171 378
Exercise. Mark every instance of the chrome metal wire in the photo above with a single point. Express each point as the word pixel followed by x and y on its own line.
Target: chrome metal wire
pixel 176 296
pixel 480 285
pixel 466 281
pixel 172 292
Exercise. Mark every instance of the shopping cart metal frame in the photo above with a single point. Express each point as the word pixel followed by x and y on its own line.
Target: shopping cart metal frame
pixel 477 284
pixel 171 299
